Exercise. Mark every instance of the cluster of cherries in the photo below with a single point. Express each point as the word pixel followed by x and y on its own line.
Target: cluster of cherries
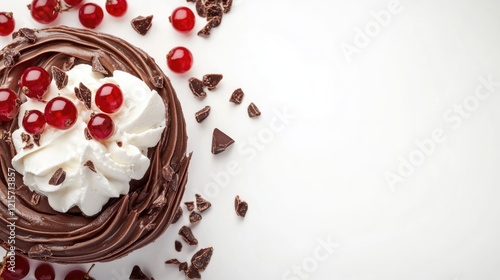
pixel 44 271
pixel 59 112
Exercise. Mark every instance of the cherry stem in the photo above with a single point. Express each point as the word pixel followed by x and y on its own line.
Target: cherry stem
pixel 88 271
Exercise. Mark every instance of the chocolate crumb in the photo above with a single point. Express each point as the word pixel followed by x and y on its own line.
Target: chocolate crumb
pixel 188 236
pixel 25 138
pixel 68 64
pixel 220 141
pixel 90 165
pixel 178 245
pixel 189 205
pixel 195 218
pixel 240 206
pixel 226 5
pixel 27 33
pixel 193 273
pixel 201 259
pixel 137 274
pixel 200 8
pixel 28 146
pixel 59 76
pixel 237 96
pixel 212 80
pixel 253 111
pixel 97 66
pixel 177 216
pixel 119 144
pixel 10 57
pixel 196 86
pixel 157 81
pixel 87 134
pixel 202 114
pixel 84 94
pixel 36 139
pixel 142 24
pixel 202 204
pixel 58 177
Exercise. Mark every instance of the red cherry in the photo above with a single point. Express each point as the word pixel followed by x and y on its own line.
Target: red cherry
pixel 60 113
pixel 22 268
pixel 34 82
pixel 7 23
pixel 101 126
pixel 34 122
pixel 182 19
pixel 90 15
pixel 45 271
pixel 109 98
pixel 179 59
pixel 9 104
pixel 75 275
pixel 116 8
pixel 45 11
pixel 73 3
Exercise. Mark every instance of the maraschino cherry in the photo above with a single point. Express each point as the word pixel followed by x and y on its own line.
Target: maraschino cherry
pixel 60 113
pixel 9 104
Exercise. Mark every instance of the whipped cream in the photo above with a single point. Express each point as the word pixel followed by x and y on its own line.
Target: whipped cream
pixel 139 125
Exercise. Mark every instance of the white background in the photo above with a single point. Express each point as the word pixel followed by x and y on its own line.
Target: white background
pixel 334 124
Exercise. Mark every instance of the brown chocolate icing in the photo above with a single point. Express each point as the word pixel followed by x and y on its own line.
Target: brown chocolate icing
pixel 125 223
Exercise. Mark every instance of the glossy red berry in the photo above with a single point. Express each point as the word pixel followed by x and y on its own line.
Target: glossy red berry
pixel 101 126
pixel 7 23
pixel 21 269
pixel 45 271
pixel 116 8
pixel 75 275
pixel 34 122
pixel 34 82
pixel 60 113
pixel 109 98
pixel 45 11
pixel 9 104
pixel 179 59
pixel 73 3
pixel 182 19
pixel 90 15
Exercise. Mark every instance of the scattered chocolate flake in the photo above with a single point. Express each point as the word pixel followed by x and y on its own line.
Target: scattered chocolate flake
pixel 195 218
pixel 226 5
pixel 178 245
pixel 119 144
pixel 84 94
pixel 68 64
pixel 36 139
pixel 142 24
pixel 35 198
pixel 90 165
pixel 202 114
pixel 189 205
pixel 183 266
pixel 201 259
pixel 188 236
pixel 10 57
pixel 212 80
pixel 237 96
pixel 220 141
pixel 97 66
pixel 157 81
pixel 137 274
pixel 205 31
pixel 87 134
pixel 58 177
pixel 25 138
pixel 28 146
pixel 214 11
pixel 60 77
pixel 178 215
pixel 191 1
pixel 202 204
pixel 172 261
pixel 240 206
pixel 200 8
pixel 193 273
pixel 196 86
pixel 27 33
pixel 253 111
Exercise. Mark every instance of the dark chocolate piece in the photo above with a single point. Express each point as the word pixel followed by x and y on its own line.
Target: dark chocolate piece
pixel 212 80
pixel 220 141
pixel 191 1
pixel 119 144
pixel 137 274
pixel 157 81
pixel 97 66
pixel 27 33
pixel 28 146
pixel 68 64
pixel 200 8
pixel 240 206
pixel 202 114
pixel 178 215
pixel 172 261
pixel 237 96
pixel 10 57
pixel 5 135
pixel 36 139
pixel 193 273
pixel 58 177
pixel 25 137
pixel 253 111
pixel 178 245
pixel 189 205
pixel 195 218
pixel 202 204
pixel 226 5
pixel 59 76
pixel 87 134
pixel 183 266
pixel 90 165
pixel 201 259
pixel 205 31
pixel 142 24
pixel 188 236
pixel 208 3
pixel 84 94
pixel 214 11
pixel 196 86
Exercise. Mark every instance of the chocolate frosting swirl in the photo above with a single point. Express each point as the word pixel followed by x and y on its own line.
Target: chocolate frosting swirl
pixel 125 223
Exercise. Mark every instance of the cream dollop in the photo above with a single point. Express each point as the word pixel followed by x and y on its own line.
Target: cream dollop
pixel 138 126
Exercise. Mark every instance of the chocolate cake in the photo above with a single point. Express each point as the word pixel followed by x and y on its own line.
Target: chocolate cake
pixel 126 222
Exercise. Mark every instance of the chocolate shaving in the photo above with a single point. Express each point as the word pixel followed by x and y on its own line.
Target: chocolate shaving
pixel 28 146
pixel 214 11
pixel 193 273
pixel 226 5
pixel 189 205
pixel 202 114
pixel 39 251
pixel 68 64
pixel 60 77
pixel 87 134
pixel 172 261
pixel 188 236
pixel 201 259
pixel 97 66
pixel 27 33
pixel 202 204
pixel 157 81
pixel 10 57
pixel 178 245
pixel 253 111
pixel 200 8
pixel 237 96
pixel 205 31
pixel 183 266
pixel 5 135
pixel 25 138
pixel 142 24
pixel 35 198
pixel 177 216
pixel 58 177
pixel 195 218
pixel 90 165
pixel 36 139
pixel 212 80
pixel 196 86
pixel 84 94
pixel 220 141
pixel 137 274
pixel 240 206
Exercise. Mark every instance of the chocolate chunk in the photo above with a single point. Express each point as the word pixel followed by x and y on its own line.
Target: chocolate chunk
pixel 157 81
pixel 27 33
pixel 87 134
pixel 137 274
pixel 10 57
pixel 177 216
pixel 220 141
pixel 193 273
pixel 195 218
pixel 196 86
pixel 205 31
pixel 182 265
pixel 202 204
pixel 172 261
pixel 90 165
pixel 240 206
pixel 25 138
pixel 28 146
pixel 142 24
pixel 58 177
pixel 36 139
pixel 59 76
pixel 226 5
pixel 200 8
pixel 178 245
pixel 237 96
pixel 202 114
pixel 214 11
pixel 201 259
pixel 84 94
pixel 188 236
pixel 253 111
pixel 97 66
pixel 68 64
pixel 189 205
pixel 212 80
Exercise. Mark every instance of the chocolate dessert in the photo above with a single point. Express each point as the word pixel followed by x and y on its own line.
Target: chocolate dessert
pixel 124 222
